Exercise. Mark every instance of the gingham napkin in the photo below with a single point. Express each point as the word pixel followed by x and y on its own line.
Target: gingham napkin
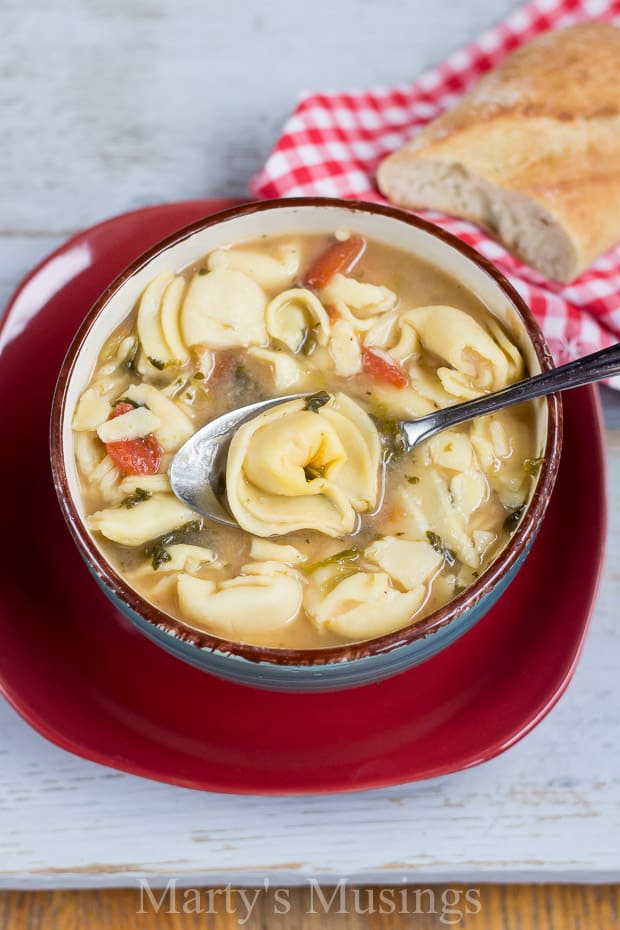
pixel 333 142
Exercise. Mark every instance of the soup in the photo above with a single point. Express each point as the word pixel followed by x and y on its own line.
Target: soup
pixel 343 536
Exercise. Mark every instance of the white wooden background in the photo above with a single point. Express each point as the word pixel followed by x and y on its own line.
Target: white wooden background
pixel 109 104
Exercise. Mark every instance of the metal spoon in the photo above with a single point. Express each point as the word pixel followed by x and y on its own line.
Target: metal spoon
pixel 197 470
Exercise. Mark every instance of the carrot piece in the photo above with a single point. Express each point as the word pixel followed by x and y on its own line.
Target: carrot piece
pixel 134 456
pixel 339 257
pixel 379 366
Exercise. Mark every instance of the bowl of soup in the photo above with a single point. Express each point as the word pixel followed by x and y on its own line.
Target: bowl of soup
pixel 352 559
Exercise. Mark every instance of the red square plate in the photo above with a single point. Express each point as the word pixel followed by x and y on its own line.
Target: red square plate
pixel 85 678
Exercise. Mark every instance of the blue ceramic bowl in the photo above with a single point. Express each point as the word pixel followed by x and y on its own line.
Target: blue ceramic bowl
pixel 341 666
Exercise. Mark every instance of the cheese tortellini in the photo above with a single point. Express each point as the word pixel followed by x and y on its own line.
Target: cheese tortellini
pixel 341 536
pixel 224 309
pixel 294 468
pixel 294 315
pixel 246 607
pixel 366 605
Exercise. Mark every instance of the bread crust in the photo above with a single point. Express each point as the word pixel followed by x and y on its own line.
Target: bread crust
pixel 545 124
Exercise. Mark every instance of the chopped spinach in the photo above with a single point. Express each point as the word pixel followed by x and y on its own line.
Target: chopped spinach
pixel 137 497
pixel 128 400
pixel 512 520
pixel 532 466
pixel 131 360
pixel 316 401
pixel 157 550
pixel 449 555
pixel 392 438
pixel 342 573
pixel 314 471
pixel 412 479
pixel 157 363
pixel 310 341
pixel 338 558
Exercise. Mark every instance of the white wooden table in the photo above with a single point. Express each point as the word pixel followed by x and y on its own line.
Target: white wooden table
pixel 106 106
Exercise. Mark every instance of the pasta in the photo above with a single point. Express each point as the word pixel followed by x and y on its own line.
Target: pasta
pixel 292 468
pixel 223 309
pixel 295 315
pixel 341 536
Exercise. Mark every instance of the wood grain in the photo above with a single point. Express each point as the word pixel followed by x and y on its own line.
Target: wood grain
pixel 490 907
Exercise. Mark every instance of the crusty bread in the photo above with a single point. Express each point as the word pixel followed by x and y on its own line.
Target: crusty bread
pixel 532 152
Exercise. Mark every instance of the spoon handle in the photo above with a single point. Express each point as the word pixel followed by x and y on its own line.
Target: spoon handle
pixel 594 367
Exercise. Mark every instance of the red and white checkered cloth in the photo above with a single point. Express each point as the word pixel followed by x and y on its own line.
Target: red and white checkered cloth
pixel 333 142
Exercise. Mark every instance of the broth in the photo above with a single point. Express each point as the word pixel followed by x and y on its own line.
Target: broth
pixel 386 344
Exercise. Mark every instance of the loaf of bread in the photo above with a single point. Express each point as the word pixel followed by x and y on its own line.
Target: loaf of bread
pixel 532 153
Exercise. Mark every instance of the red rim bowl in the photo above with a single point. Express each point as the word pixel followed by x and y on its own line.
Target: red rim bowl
pixel 350 664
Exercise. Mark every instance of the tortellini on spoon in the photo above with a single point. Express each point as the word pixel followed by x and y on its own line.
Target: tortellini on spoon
pixel 294 468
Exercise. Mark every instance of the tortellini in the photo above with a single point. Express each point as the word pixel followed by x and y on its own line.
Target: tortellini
pixel 364 605
pixel 157 324
pixel 296 315
pixel 287 372
pixel 501 443
pixel 136 423
pixel 242 608
pixel 292 468
pixel 92 409
pixel 358 302
pixel 409 563
pixel 175 427
pixel 476 363
pixel 224 309
pixel 264 550
pixel 182 558
pixel 344 349
pixel 135 526
pixel 150 484
pixel 170 311
pixel 272 272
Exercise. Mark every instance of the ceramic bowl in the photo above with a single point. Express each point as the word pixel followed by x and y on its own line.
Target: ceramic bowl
pixel 335 667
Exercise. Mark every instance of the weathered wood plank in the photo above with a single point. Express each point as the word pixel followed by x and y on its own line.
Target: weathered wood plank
pixel 110 105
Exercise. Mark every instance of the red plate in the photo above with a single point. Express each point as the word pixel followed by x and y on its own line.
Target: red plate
pixel 85 678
